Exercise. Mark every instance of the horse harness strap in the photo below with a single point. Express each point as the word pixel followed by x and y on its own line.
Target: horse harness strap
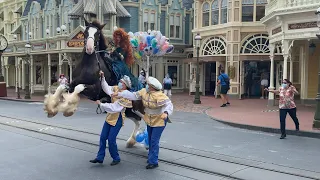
pixel 98 110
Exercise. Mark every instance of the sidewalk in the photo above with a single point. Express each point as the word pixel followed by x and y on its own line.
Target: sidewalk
pixel 248 113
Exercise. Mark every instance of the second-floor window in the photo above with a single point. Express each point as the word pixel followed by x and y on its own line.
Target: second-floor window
pixel 247 10
pixel 175 25
pixel 149 20
pixel 215 13
pixel 205 14
pixel 107 21
pixel 260 9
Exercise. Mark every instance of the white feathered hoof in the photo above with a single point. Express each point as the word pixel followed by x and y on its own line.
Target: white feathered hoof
pixel 51 114
pixel 130 142
pixel 68 114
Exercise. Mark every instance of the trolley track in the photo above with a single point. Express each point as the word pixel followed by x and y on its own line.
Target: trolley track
pixel 30 125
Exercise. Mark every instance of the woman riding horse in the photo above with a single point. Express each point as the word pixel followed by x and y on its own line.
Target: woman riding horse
pixel 123 58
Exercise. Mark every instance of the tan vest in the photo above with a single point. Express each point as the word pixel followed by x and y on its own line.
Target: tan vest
pixel 112 118
pixel 153 102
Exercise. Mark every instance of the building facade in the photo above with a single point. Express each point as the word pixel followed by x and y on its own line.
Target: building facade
pixel 55 32
pixel 233 38
pixel 293 26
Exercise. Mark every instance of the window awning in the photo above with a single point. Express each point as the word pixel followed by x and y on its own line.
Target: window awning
pixel 121 11
pixel 77 10
pixel 90 7
pixel 109 7
pixel 17 30
pixel 18 10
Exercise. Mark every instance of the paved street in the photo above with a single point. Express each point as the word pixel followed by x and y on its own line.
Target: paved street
pixel 30 158
pixel 192 131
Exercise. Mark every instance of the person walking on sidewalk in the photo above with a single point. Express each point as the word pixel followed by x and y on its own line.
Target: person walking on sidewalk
pixel 114 120
pixel 286 105
pixel 157 109
pixel 224 81
pixel 167 85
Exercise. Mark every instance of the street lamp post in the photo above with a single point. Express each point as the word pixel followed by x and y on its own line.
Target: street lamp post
pixel 197 40
pixel 27 88
pixel 316 122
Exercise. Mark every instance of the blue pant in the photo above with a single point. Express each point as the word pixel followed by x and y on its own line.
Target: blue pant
pixel 109 133
pixel 154 134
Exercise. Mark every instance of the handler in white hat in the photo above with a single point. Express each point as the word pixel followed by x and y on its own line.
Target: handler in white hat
pixel 157 109
pixel 114 120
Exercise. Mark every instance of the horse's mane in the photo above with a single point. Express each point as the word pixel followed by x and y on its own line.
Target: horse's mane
pixel 124 44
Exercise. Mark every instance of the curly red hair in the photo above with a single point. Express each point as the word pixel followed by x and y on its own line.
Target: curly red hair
pixel 124 44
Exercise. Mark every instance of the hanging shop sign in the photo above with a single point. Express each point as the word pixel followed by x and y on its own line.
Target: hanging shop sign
pixel 77 40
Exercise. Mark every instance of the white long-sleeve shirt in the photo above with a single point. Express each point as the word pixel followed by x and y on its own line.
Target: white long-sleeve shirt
pixel 168 106
pixel 109 107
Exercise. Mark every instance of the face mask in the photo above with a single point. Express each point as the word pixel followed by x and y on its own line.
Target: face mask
pixel 147 88
pixel 120 85
pixel 284 85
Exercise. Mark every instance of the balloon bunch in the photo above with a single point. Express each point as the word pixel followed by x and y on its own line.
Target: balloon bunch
pixel 151 43
pixel 142 137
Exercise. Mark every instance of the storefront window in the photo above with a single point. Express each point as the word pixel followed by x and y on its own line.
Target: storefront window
pixel 173 73
pixel 39 77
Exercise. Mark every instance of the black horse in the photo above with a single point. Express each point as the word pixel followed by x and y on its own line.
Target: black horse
pixel 95 59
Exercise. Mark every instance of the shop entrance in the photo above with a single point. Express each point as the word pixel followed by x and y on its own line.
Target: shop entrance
pixel 255 73
pixel 210 78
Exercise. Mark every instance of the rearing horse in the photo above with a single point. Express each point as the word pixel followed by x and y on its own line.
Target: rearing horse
pixel 87 72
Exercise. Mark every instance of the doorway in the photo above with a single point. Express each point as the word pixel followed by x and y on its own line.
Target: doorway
pixel 254 73
pixel 210 78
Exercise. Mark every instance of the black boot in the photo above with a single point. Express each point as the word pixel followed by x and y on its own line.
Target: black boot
pixel 283 136
pixel 113 163
pixel 152 166
pixel 96 161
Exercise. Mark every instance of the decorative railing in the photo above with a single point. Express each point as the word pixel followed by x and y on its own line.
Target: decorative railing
pixel 287 4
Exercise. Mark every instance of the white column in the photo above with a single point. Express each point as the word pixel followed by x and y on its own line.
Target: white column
pixel 285 66
pixel 16 73
pixel 23 70
pixel 7 75
pixel 291 68
pixel 49 73
pixel 31 74
pixel 19 73
pixel 60 63
pixel 302 64
pixel 178 77
pixel 71 69
pixel 271 87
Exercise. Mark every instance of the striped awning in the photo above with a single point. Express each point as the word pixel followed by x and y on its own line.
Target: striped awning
pixel 17 30
pixel 77 10
pixel 121 11
pixel 108 7
pixel 90 7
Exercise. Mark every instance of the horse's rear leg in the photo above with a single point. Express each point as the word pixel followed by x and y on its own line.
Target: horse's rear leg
pixel 132 140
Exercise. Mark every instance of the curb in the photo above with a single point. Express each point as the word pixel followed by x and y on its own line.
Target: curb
pixel 267 129
pixel 19 100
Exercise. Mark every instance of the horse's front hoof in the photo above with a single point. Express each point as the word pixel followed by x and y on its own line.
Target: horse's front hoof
pixel 130 143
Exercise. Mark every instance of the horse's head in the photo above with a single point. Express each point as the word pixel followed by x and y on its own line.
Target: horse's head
pixel 92 36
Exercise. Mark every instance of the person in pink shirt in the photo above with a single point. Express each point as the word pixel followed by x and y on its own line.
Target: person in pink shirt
pixel 286 105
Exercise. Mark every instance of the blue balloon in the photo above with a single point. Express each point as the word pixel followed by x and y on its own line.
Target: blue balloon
pixel 155 50
pixel 139 137
pixel 149 39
